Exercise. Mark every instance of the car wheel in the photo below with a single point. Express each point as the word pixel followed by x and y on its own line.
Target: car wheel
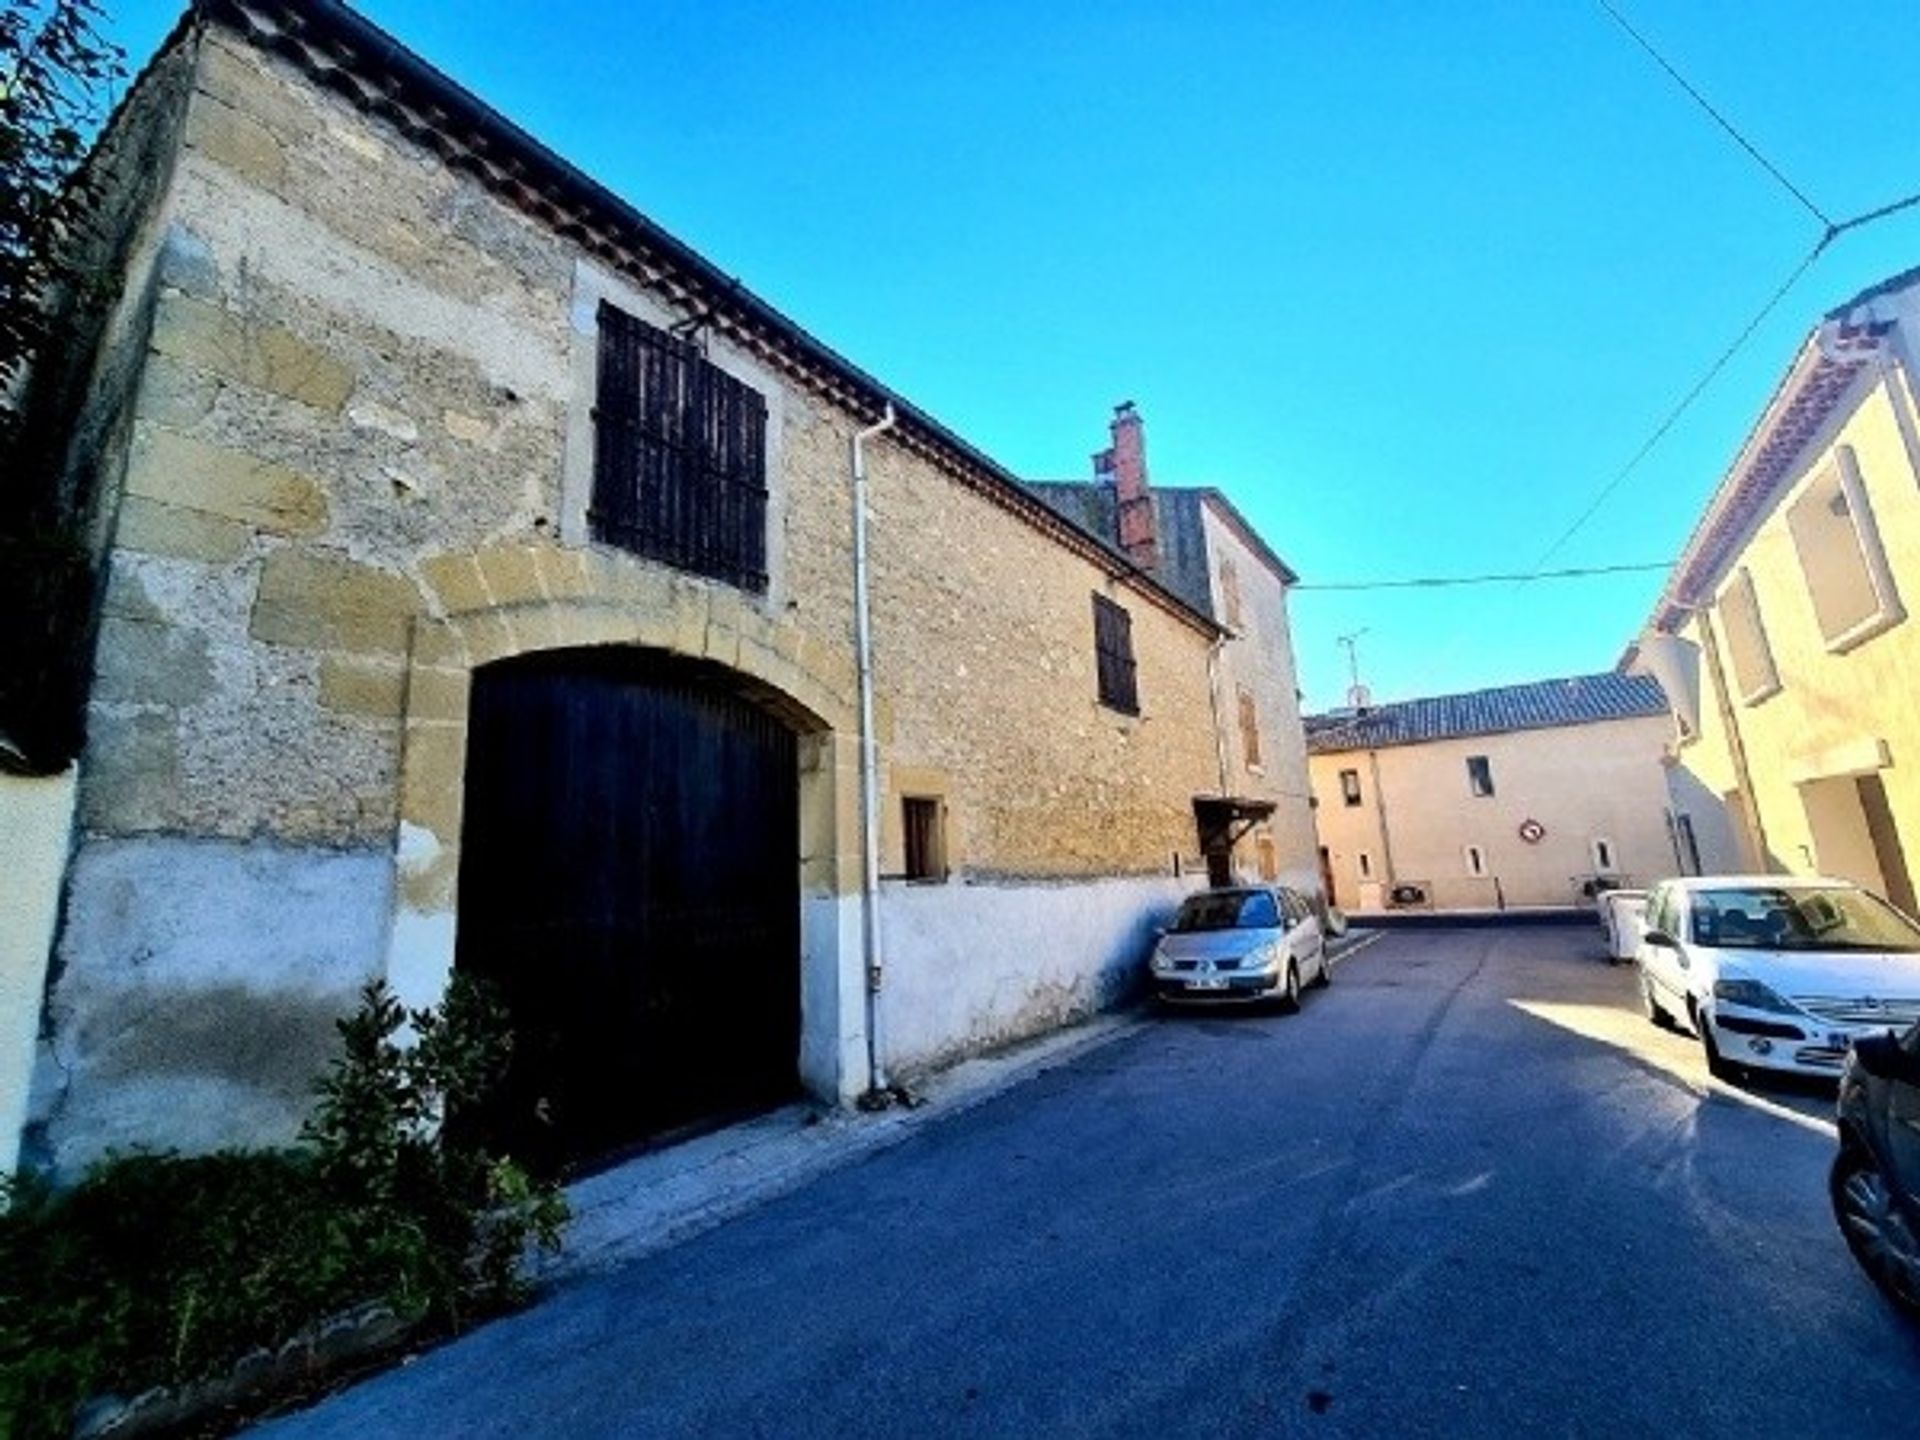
pixel 1880 1234
pixel 1718 1065
pixel 1290 993
pixel 1651 1006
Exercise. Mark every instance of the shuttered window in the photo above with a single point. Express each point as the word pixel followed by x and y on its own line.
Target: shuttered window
pixel 926 851
pixel 1113 652
pixel 679 456
pixel 1249 730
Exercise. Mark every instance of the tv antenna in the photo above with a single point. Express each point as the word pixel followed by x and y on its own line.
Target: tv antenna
pixel 1358 696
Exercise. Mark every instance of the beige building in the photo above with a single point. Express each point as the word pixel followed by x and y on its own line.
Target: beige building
pixel 1783 635
pixel 472 567
pixel 1525 795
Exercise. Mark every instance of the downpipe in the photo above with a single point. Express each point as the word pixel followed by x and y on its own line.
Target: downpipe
pixel 878 1090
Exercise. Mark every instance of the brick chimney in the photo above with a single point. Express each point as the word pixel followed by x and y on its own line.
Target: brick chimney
pixel 1125 463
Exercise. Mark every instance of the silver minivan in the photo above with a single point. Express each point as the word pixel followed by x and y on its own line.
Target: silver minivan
pixel 1243 944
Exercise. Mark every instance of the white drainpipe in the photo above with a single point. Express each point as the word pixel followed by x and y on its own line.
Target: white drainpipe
pixel 869 759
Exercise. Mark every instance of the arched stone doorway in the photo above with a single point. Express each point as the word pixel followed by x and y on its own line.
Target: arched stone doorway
pixel 630 885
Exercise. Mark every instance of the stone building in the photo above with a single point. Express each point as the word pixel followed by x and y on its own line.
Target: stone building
pixel 1197 543
pixel 1782 635
pixel 1524 795
pixel 472 571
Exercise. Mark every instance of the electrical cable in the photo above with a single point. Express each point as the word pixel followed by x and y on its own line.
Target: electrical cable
pixel 1719 119
pixel 1685 402
pixel 1440 582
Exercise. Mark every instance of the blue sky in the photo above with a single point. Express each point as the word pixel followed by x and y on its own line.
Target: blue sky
pixel 1409 281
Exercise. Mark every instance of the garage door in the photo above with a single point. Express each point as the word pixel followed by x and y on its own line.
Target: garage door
pixel 629 881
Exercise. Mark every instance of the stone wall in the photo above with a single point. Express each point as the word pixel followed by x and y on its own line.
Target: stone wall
pixel 348 486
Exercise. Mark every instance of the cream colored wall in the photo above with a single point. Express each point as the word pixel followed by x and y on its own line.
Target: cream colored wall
pixel 1580 782
pixel 36 830
pixel 1260 659
pixel 1836 714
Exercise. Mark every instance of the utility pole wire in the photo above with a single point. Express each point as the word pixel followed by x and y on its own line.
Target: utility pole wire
pixel 1440 582
pixel 1725 124
pixel 1685 402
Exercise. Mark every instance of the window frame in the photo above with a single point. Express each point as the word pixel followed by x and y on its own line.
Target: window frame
pixel 1842 469
pixel 932 837
pixel 1232 603
pixel 1609 863
pixel 1741 591
pixel 680 473
pixel 1249 713
pixel 1480 781
pixel 1117 673
pixel 1363 864
pixel 1350 793
pixel 1476 859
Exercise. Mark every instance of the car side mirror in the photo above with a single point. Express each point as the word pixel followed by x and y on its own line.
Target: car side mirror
pixel 1660 940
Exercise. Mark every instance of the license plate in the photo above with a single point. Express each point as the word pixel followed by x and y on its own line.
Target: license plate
pixel 1211 982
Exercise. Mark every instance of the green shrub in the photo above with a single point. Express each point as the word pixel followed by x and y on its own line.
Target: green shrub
pixel 162 1269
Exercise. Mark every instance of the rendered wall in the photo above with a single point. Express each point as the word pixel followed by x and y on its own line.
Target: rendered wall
pixel 1839 713
pixel 1579 782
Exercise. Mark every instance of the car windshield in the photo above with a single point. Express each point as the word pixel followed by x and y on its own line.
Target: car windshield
pixel 1228 910
pixel 1767 917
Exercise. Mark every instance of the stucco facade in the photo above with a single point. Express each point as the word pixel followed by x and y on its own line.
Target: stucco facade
pixel 1493 819
pixel 355 472
pixel 1783 632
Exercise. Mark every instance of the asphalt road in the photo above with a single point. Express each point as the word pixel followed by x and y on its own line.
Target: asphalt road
pixel 1468 1191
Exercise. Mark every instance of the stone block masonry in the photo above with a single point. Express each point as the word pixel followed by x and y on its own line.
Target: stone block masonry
pixel 347 487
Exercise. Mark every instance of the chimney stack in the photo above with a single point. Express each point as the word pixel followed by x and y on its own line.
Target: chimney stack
pixel 1125 464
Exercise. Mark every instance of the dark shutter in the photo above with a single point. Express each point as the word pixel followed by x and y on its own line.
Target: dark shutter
pixel 924 853
pixel 1113 652
pixel 679 456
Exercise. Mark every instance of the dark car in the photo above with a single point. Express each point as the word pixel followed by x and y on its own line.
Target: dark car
pixel 1876 1178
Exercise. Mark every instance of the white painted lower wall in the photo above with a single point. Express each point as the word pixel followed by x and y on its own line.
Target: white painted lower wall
pixel 36 829
pixel 195 991
pixel 971 966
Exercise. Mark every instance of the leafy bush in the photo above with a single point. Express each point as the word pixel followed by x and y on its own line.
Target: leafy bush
pixel 161 1269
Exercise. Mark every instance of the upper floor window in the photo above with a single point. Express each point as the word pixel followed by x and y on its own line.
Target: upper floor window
pixel 1249 730
pixel 1350 786
pixel 1113 654
pixel 1839 548
pixel 1476 859
pixel 1230 593
pixel 679 455
pixel 1754 675
pixel 1480 774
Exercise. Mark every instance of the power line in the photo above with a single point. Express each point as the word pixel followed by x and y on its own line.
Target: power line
pixel 1721 120
pixel 1438 582
pixel 1685 402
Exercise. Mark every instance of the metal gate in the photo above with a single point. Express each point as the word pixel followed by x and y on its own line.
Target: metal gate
pixel 629 881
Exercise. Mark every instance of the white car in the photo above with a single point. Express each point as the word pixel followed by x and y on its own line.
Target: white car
pixel 1246 943
pixel 1776 972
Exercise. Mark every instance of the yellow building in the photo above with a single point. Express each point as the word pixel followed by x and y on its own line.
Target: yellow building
pixel 1781 636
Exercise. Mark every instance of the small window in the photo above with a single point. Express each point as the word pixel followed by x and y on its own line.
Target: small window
pixel 1268 856
pixel 1113 654
pixel 925 844
pixel 1476 860
pixel 1754 675
pixel 1364 863
pixel 1603 856
pixel 1840 555
pixel 1249 730
pixel 1350 786
pixel 1480 775
pixel 1689 844
pixel 1230 593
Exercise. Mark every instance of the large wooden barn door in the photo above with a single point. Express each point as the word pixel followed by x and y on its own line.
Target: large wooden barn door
pixel 629 880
